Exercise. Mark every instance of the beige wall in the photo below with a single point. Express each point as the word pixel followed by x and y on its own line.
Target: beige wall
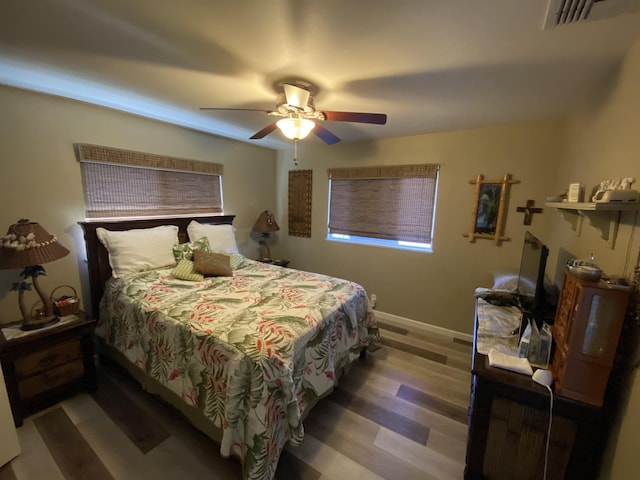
pixel 436 288
pixel 604 142
pixel 40 177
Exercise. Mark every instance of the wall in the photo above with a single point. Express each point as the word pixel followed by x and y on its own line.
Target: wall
pixel 41 178
pixel 435 288
pixel 603 143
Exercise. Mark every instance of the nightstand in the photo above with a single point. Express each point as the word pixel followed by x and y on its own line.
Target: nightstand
pixel 274 261
pixel 43 366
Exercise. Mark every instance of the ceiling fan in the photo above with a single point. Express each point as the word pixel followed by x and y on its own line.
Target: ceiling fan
pixel 300 117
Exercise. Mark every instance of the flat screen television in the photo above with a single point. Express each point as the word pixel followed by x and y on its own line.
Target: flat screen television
pixel 530 289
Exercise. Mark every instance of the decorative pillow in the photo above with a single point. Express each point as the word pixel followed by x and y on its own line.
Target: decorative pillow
pixel 209 263
pixel 184 271
pixel 185 250
pixel 140 249
pixel 235 259
pixel 221 237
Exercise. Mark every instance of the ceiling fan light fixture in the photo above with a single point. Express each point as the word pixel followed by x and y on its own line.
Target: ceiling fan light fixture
pixel 295 128
pixel 296 97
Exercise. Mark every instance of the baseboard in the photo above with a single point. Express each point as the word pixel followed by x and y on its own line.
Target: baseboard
pixel 390 317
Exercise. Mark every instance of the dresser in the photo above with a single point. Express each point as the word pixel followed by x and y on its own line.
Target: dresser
pixel 507 428
pixel 43 366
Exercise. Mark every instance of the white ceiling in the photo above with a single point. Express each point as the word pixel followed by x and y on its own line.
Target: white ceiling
pixel 429 65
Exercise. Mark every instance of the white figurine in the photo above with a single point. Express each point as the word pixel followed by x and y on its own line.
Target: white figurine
pixel 613 184
pixel 625 183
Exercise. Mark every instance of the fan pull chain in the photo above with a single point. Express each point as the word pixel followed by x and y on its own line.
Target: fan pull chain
pixel 295 152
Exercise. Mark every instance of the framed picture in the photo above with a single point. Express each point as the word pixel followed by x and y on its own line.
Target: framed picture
pixel 489 201
pixel 575 192
pixel 489 207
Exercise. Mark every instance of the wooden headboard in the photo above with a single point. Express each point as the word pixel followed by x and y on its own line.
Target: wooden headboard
pixel 98 257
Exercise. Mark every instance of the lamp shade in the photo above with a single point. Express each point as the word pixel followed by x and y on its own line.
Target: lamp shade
pixel 266 223
pixel 295 128
pixel 27 243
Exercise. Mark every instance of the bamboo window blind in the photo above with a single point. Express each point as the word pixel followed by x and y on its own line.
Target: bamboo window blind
pixel 390 202
pixel 122 183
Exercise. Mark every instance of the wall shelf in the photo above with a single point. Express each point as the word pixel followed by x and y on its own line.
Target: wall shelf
pixel 605 217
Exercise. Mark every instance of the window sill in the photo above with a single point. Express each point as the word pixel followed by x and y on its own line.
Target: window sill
pixel 380 243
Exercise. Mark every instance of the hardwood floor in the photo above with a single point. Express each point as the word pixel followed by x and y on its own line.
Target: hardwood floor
pixel 399 414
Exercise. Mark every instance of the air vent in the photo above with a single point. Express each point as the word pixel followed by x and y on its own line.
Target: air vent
pixel 565 12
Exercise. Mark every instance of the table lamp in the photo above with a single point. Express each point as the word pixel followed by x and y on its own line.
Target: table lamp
pixel 27 245
pixel 265 224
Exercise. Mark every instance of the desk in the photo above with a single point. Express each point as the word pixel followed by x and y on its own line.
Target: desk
pixel 507 428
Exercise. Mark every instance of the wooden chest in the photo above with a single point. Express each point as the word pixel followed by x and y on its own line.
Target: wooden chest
pixel 586 331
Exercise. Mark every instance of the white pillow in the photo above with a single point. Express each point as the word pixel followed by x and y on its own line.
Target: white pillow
pixel 505 281
pixel 139 249
pixel 221 237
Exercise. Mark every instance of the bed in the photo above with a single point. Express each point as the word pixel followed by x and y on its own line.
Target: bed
pixel 244 354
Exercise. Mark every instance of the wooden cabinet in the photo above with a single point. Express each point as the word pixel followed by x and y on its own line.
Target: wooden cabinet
pixel 507 428
pixel 42 366
pixel 586 331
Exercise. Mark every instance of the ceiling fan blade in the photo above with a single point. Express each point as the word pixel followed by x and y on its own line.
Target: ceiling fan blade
pixel 238 109
pixel 264 132
pixel 296 97
pixel 376 118
pixel 325 135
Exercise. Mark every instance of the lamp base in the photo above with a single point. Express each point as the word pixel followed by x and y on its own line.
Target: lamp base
pixel 35 324
pixel 265 251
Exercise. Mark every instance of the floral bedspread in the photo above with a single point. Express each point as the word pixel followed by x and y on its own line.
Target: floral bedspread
pixel 253 351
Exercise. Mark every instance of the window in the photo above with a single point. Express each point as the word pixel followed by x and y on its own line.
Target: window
pixel 390 206
pixel 123 183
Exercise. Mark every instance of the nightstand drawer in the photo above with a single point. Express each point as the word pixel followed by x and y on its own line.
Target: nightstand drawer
pixel 45 381
pixel 46 359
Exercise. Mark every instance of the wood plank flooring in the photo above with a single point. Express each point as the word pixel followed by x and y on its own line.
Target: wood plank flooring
pixel 399 414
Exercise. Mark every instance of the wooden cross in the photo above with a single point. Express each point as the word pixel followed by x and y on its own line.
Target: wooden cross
pixel 528 211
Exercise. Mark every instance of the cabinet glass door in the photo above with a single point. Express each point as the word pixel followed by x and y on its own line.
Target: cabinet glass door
pixel 600 326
